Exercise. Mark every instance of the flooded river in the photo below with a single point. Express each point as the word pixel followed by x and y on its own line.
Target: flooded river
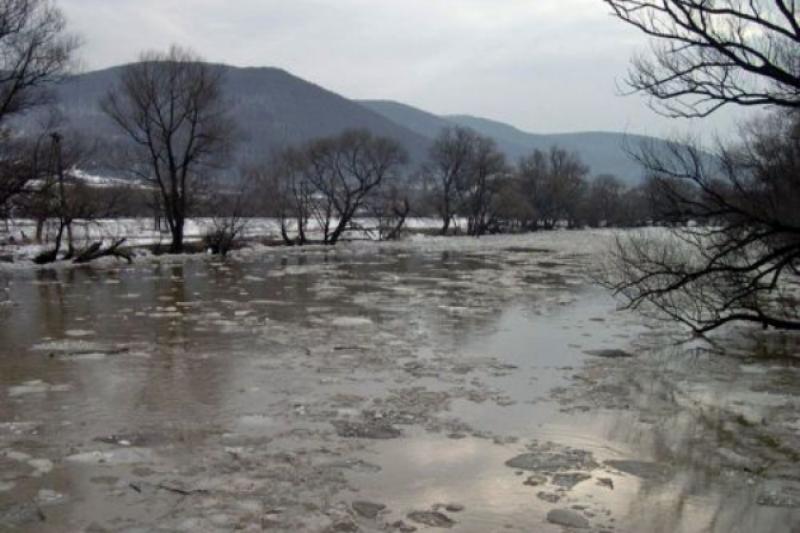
pixel 471 386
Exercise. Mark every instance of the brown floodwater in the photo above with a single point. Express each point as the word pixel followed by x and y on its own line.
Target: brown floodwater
pixel 271 392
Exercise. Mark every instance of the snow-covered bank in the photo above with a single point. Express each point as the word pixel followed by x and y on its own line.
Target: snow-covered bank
pixel 16 237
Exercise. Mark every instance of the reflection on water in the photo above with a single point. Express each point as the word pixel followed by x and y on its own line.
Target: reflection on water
pixel 201 396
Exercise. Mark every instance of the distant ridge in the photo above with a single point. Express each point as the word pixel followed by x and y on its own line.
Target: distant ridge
pixel 272 108
pixel 603 152
pixel 275 108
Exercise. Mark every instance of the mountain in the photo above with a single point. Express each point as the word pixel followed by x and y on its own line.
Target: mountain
pixel 272 108
pixel 275 109
pixel 420 122
pixel 603 152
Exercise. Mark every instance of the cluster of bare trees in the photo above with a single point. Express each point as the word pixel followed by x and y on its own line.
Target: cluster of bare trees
pixel 332 185
pixel 331 181
pixel 35 51
pixel 468 178
pixel 35 179
pixel 465 173
pixel 741 257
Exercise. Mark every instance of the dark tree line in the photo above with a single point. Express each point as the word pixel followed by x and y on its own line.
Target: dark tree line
pixel 466 177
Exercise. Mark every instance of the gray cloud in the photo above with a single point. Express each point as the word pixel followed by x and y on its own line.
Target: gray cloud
pixel 542 65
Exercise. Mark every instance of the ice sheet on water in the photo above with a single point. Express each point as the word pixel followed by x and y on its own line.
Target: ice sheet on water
pixel 69 345
pixel 350 321
pixel 79 332
pixel 121 456
pixel 35 387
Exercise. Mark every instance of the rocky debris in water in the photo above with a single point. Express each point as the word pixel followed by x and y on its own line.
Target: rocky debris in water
pixel 18 428
pixel 431 519
pixel 41 466
pixel 449 507
pixel 549 497
pixel 413 405
pixel 129 439
pixel 786 497
pixel 568 481
pixel 549 458
pixel 643 469
pixel 738 461
pixel 21 514
pixel 567 518
pixel 606 482
pixel 373 429
pixel 49 497
pixel 402 527
pixel 535 480
pixel 356 465
pixel 368 510
pixel 609 354
pixel 344 525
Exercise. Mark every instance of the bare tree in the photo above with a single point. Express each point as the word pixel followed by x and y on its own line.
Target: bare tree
pixel 293 197
pixel 231 210
pixel 171 107
pixel 733 263
pixel 708 54
pixel 448 167
pixel 480 186
pixel 20 169
pixel 35 52
pixel 555 183
pixel 391 206
pixel 345 170
pixel 736 259
pixel 604 201
pixel 64 197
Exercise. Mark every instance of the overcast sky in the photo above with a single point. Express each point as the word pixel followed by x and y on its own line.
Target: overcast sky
pixel 541 65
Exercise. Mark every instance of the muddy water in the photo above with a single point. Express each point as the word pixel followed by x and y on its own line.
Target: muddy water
pixel 275 392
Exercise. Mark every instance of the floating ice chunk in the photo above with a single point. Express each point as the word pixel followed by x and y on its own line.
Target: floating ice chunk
pixel 42 466
pixel 79 333
pixel 17 456
pixel 95 356
pixel 254 421
pixel 18 428
pixel 122 456
pixel 351 321
pixel 69 345
pixel 35 387
pixel 49 497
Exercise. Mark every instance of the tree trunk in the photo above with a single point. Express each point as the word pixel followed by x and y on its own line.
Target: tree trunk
pixel 176 247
